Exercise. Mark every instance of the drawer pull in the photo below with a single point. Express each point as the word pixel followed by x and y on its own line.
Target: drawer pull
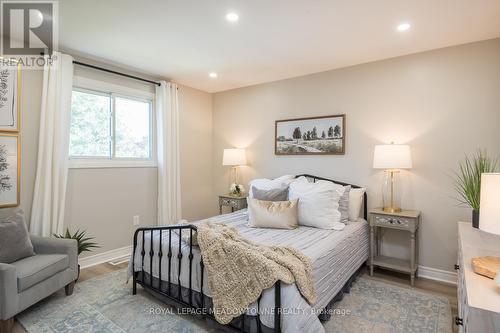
pixel 457 267
pixel 459 321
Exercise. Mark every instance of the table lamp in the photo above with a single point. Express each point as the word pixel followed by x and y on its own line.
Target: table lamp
pixel 234 157
pixel 391 158
pixel 489 209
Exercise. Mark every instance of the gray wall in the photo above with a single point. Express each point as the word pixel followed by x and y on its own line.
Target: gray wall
pixel 104 201
pixel 196 154
pixel 444 103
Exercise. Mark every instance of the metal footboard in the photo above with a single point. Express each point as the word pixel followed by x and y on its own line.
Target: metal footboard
pixel 172 290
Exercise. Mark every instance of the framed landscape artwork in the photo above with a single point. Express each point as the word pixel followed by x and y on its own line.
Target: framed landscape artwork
pixel 9 170
pixel 323 135
pixel 9 97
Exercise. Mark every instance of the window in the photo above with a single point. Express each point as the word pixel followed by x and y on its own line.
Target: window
pixel 132 127
pixel 109 129
pixel 90 129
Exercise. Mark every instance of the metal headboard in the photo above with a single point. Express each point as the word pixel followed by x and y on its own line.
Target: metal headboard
pixel 365 197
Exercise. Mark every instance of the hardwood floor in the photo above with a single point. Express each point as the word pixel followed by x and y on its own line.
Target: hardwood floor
pixel 442 289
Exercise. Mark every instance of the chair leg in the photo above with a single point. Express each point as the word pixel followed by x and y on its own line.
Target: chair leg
pixel 6 325
pixel 69 288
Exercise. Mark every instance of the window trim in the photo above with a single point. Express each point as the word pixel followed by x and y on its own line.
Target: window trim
pixel 113 91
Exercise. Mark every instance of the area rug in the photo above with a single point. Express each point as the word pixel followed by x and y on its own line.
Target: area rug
pixel 106 304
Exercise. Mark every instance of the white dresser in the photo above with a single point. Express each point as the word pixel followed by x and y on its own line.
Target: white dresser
pixel 478 296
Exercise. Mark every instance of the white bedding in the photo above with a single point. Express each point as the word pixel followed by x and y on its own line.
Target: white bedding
pixel 335 256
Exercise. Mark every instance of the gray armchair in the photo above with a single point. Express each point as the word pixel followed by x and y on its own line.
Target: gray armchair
pixel 29 280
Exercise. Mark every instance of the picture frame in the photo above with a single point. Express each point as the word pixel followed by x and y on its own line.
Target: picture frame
pixel 10 170
pixel 10 97
pixel 322 135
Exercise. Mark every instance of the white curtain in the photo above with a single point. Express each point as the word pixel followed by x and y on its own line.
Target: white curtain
pixel 47 213
pixel 169 187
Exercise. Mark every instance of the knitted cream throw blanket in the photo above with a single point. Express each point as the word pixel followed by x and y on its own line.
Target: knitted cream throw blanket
pixel 239 270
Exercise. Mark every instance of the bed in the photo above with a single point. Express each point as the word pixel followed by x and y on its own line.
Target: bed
pixel 171 267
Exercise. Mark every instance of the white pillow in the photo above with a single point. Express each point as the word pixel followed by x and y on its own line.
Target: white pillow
pixel 355 202
pixel 318 202
pixel 270 184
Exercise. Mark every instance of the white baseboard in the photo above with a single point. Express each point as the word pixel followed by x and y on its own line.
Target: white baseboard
pixel 103 257
pixel 437 275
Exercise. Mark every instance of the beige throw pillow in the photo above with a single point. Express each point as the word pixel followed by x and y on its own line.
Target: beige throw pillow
pixel 273 214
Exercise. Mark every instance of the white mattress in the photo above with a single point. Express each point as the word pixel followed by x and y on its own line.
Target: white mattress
pixel 335 256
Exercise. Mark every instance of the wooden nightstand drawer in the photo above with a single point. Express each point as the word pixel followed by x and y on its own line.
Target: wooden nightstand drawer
pixel 392 221
pixel 227 202
pixel 405 220
pixel 236 203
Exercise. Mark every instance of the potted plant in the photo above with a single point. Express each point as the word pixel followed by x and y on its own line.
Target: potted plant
pixel 468 181
pixel 85 244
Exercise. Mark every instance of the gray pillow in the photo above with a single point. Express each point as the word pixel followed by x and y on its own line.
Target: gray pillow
pixel 275 194
pixel 344 204
pixel 15 243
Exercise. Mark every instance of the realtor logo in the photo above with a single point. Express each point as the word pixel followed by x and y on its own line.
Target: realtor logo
pixel 28 28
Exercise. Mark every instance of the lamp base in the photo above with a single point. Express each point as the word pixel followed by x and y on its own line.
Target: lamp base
pixel 392 209
pixel 390 192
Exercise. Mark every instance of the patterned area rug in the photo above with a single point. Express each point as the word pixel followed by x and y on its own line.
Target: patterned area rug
pixel 105 304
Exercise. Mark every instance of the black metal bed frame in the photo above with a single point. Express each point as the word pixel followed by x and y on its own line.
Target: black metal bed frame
pixel 174 292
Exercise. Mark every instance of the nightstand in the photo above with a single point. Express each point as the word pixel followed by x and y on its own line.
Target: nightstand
pixel 236 203
pixel 406 220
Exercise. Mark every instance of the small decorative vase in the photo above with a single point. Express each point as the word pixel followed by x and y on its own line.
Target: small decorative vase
pixel 475 219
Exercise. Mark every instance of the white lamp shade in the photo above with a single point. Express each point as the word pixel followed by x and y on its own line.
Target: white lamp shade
pixel 392 157
pixel 234 157
pixel 489 211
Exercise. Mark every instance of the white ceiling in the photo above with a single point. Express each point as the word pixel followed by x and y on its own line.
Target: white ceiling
pixel 184 40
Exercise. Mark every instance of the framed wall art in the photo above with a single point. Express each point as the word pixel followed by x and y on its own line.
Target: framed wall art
pixel 323 135
pixel 10 167
pixel 10 83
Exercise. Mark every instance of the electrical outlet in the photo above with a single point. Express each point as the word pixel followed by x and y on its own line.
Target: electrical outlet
pixel 136 220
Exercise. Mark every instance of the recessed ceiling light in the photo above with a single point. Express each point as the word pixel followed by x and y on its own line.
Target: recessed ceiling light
pixel 403 27
pixel 213 75
pixel 232 17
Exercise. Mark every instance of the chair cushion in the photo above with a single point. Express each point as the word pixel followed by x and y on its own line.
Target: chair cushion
pixel 33 270
pixel 14 239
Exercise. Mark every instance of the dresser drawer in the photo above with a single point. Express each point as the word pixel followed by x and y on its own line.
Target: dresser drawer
pixel 461 294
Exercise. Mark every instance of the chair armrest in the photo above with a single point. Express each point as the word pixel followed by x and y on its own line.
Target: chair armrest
pixel 8 291
pixel 47 245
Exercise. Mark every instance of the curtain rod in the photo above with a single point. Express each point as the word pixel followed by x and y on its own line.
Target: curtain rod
pixel 115 72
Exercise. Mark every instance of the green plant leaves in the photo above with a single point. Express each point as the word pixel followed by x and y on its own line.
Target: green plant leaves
pixel 84 243
pixel 468 177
